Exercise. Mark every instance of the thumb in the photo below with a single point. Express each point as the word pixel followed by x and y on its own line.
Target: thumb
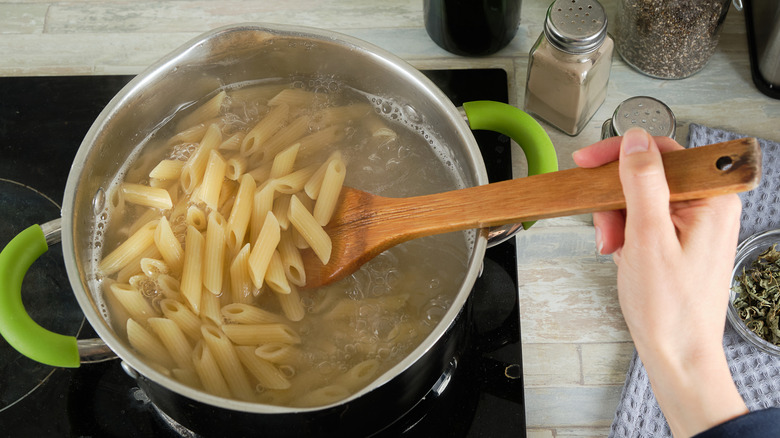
pixel 644 187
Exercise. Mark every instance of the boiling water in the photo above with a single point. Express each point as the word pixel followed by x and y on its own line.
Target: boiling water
pixel 367 322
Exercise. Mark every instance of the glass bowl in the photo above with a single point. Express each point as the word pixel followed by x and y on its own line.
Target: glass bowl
pixel 747 252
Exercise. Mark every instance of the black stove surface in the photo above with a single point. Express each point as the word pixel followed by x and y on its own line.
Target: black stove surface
pixel 42 123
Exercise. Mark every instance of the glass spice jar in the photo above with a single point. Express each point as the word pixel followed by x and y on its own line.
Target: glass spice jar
pixel 668 39
pixel 569 65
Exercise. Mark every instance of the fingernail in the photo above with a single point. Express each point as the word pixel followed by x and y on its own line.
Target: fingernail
pixel 599 240
pixel 635 140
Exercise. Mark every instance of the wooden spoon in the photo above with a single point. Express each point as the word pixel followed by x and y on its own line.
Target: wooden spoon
pixel 364 225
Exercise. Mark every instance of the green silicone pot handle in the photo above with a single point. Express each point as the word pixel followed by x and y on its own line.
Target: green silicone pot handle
pixel 520 127
pixel 16 326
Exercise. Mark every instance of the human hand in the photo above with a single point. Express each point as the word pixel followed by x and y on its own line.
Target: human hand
pixel 674 265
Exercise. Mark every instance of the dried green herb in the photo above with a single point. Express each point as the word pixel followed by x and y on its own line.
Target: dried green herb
pixel 758 295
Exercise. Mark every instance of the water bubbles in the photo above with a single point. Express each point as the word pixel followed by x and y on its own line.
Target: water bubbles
pixel 412 115
pixel 386 108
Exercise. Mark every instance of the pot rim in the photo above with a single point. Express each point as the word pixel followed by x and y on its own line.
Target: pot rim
pixel 84 290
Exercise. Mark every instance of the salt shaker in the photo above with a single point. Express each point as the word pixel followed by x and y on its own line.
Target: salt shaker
pixel 569 65
pixel 642 111
pixel 668 39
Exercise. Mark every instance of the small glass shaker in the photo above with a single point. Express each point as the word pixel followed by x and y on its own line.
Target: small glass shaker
pixel 643 111
pixel 569 65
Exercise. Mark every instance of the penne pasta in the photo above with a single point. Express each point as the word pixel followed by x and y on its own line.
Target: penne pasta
pixel 148 345
pixel 241 213
pixel 193 170
pixel 237 313
pixel 227 196
pixel 168 245
pixel 233 143
pixel 292 262
pixel 313 185
pixel 329 192
pixel 214 255
pixel 310 230
pixel 262 204
pixel 143 220
pixel 339 115
pixel 293 182
pixel 263 130
pixel 291 304
pixel 192 134
pixel 168 286
pixel 174 340
pixel 205 283
pixel 294 97
pixel 241 287
pixel 191 277
pixel 359 375
pixel 208 371
pixel 266 374
pixel 321 139
pixel 256 93
pixel 236 167
pixel 322 396
pixel 279 353
pixel 167 170
pixel 207 111
pixel 210 305
pixel 134 266
pixel 225 355
pixel 283 161
pixel 187 376
pixel 280 209
pixel 275 277
pixel 130 249
pixel 213 178
pixel 261 172
pixel 134 303
pixel 254 334
pixel 178 312
pixel 352 308
pixel 288 135
pixel 152 267
pixel 196 218
pixel 263 250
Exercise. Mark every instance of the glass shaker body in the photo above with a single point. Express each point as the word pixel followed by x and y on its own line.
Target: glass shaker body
pixel 565 89
pixel 668 39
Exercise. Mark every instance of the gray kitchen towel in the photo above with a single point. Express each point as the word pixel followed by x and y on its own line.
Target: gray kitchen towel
pixel 756 374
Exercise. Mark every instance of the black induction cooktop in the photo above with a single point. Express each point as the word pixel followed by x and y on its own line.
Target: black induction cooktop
pixel 42 123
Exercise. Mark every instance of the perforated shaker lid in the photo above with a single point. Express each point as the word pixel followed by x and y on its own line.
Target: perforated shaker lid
pixel 576 26
pixel 645 112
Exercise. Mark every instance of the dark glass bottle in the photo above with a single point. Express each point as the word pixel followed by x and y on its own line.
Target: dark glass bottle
pixel 472 27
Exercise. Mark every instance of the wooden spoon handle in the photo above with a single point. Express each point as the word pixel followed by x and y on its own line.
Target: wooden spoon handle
pixel 722 168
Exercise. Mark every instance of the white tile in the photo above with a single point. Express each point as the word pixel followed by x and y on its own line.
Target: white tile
pixel 539 433
pixel 567 292
pixel 571 406
pixel 201 15
pixel 582 432
pixel 606 364
pixel 21 18
pixel 551 364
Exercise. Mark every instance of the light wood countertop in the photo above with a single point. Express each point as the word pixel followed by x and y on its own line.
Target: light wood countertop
pixel 576 345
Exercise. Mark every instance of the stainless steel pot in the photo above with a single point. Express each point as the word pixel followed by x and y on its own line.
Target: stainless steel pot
pixel 225 56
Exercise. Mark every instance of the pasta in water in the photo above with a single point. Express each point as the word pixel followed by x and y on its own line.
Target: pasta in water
pixel 202 267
